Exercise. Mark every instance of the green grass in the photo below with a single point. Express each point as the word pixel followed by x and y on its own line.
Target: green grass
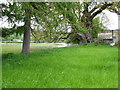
pixel 71 67
pixel 17 47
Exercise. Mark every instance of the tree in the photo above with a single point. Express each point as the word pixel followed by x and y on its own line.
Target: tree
pixel 27 25
pixel 91 10
pixel 17 12
pixel 78 15
pixel 81 15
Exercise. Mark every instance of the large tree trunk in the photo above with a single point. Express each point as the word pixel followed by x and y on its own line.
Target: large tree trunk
pixel 89 34
pixel 26 38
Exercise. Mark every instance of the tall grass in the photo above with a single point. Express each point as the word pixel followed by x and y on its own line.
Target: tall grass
pixel 70 67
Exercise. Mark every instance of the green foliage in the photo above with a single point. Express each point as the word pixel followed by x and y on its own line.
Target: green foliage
pixel 12 33
pixel 13 11
pixel 50 16
pixel 6 32
pixel 70 12
pixel 81 28
pixel 97 27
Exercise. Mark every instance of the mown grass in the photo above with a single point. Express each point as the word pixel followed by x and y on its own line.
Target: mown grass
pixel 17 47
pixel 70 67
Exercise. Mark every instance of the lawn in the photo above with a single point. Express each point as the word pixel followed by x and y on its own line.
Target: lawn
pixel 17 47
pixel 69 67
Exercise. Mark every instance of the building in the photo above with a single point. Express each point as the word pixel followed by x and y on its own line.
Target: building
pixel 110 36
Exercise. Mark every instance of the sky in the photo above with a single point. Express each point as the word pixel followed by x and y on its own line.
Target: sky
pixel 112 22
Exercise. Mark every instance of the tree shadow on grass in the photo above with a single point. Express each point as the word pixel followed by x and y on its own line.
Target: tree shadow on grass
pixel 7 56
pixel 14 59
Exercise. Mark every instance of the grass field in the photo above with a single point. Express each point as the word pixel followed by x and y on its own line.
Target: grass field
pixel 17 47
pixel 70 67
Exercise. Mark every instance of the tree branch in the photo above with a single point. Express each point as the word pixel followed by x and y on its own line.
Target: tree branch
pixel 114 10
pixel 100 10
pixel 94 9
pixel 34 6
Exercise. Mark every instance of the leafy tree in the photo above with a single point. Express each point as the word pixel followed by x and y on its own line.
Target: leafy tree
pixel 81 15
pixel 17 12
pixel 97 27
